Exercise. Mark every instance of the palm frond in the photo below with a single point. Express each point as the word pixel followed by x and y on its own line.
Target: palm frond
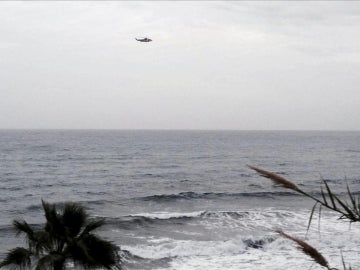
pixel 54 225
pixel 74 218
pixel 92 226
pixel 18 258
pixel 80 255
pixel 43 242
pixel 103 253
pixel 67 235
pixel 50 210
pixel 49 261
pixel 22 227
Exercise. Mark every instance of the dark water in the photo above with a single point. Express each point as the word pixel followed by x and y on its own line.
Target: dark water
pixel 182 199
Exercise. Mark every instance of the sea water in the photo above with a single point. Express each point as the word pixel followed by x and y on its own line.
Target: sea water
pixel 186 199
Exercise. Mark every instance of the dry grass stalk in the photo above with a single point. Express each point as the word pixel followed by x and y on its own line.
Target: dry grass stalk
pixel 277 179
pixel 349 211
pixel 307 249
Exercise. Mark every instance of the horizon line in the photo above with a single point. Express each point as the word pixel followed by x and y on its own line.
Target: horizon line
pixel 170 129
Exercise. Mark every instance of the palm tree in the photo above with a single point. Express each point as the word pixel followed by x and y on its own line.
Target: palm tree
pixel 67 236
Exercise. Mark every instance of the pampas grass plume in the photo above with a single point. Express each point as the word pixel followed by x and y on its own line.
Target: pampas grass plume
pixel 307 249
pixel 277 179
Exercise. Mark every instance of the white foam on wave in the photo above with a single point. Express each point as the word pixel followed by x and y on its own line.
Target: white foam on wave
pixel 276 256
pixel 167 247
pixel 230 251
pixel 168 215
pixel 254 221
pixel 281 254
pixel 234 254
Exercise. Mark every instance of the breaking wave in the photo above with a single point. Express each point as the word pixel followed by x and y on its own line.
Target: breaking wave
pixel 210 195
pixel 204 218
pixel 167 248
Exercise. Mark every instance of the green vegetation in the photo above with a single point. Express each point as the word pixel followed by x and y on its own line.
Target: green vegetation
pixel 348 210
pixel 66 237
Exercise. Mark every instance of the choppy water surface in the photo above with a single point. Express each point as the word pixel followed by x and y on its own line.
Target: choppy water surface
pixel 185 199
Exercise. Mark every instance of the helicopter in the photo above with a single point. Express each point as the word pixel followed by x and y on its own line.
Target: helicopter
pixel 145 39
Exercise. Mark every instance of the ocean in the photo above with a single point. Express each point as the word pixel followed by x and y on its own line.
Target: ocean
pixel 186 199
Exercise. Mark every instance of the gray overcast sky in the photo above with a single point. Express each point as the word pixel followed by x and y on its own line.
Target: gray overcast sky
pixel 211 65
